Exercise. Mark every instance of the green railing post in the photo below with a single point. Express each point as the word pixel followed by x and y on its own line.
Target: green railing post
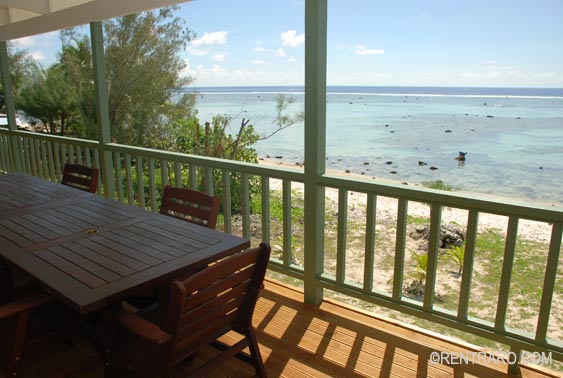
pixel 10 108
pixel 315 144
pixel 102 109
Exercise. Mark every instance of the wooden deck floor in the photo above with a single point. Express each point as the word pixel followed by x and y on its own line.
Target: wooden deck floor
pixel 333 340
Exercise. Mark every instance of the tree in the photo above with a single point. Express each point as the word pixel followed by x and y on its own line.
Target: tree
pixel 143 73
pixel 213 139
pixel 46 97
pixel 75 60
pixel 21 66
pixel 143 69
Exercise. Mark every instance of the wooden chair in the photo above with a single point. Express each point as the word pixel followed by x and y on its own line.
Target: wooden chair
pixel 81 177
pixel 18 303
pixel 201 308
pixel 190 205
pixel 185 204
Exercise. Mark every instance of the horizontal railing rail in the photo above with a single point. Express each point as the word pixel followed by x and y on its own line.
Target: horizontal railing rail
pixel 140 174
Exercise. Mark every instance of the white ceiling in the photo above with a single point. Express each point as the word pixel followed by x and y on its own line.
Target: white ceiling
pixel 22 18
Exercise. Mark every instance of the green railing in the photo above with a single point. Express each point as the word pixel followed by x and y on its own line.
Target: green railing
pixel 139 174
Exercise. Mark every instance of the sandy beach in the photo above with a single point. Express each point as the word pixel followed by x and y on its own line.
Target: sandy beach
pixel 387 207
pixel 448 281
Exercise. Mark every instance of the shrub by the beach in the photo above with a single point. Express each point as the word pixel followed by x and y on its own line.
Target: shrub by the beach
pixel 456 254
pixel 438 184
pixel 213 139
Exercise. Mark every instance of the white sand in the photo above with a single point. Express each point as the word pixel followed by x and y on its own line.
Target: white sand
pixel 387 208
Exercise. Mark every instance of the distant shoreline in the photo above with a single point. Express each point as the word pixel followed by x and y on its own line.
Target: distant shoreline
pixel 483 92
pixel 521 200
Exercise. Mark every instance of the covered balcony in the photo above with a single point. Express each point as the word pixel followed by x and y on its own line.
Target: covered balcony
pixel 307 331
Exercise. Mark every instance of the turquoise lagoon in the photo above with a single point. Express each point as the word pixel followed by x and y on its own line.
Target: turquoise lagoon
pixel 513 136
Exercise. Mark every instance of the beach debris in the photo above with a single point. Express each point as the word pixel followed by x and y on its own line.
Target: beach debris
pixel 279 157
pixel 347 171
pixel 541 167
pixel 386 125
pixel 448 131
pixel 490 116
pixel 267 156
pixel 422 163
pixel 362 173
pixel 393 172
pixel 461 156
pixel 485 104
pixel 389 162
pixel 392 132
pixel 404 183
pixel 518 117
pixel 433 168
pixel 366 162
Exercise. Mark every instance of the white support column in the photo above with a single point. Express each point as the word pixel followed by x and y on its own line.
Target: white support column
pixel 315 144
pixel 10 107
pixel 102 99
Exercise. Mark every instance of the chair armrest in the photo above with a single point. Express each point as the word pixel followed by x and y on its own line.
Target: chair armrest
pixel 143 328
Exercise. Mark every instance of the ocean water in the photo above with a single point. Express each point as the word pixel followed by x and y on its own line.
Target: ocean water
pixel 513 137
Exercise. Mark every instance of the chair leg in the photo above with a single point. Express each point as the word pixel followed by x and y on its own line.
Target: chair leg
pixel 14 365
pixel 255 354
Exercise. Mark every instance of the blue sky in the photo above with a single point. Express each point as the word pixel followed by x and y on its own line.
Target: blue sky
pixel 501 43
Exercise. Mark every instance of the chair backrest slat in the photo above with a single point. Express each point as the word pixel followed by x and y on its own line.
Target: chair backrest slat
pixel 190 205
pixel 219 298
pixel 213 317
pixel 81 177
pixel 191 317
pixel 210 292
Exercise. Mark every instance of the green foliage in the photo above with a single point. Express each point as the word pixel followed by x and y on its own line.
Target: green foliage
pixel 143 72
pixel 421 264
pixel 438 184
pixel 456 254
pixel 22 66
pixel 143 67
pixel 48 99
pixel 213 139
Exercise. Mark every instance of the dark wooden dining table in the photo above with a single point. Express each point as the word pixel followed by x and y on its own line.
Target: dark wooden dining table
pixel 88 251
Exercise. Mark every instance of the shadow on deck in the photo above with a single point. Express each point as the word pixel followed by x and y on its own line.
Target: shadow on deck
pixel 299 340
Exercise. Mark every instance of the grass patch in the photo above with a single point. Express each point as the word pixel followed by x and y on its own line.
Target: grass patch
pixel 438 184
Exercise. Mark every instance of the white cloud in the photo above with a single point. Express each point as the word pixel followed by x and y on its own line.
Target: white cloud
pixel 213 38
pixel 219 71
pixel 338 47
pixel 292 59
pixel 196 51
pixel 259 47
pixel 37 55
pixel 280 52
pixel 257 61
pixel 199 46
pixel 218 57
pixel 363 50
pixel 469 75
pixel 291 38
